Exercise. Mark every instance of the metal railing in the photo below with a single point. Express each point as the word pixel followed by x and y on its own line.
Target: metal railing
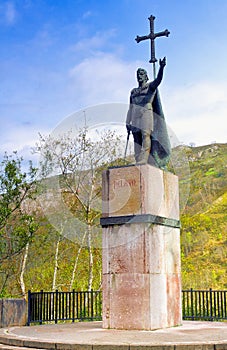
pixel 207 305
pixel 63 306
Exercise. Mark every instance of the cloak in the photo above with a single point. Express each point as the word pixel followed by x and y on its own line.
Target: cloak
pixel 160 143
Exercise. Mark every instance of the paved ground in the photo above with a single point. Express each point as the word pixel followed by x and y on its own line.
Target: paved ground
pixel 90 335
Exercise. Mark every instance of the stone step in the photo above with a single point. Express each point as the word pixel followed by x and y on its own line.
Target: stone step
pixel 12 347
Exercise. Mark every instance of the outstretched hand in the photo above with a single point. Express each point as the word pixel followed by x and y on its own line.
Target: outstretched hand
pixel 162 62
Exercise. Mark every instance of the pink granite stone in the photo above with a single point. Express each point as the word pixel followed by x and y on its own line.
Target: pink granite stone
pixel 156 249
pixel 124 191
pixel 106 300
pixel 171 196
pixel 174 308
pixel 158 300
pixel 172 250
pixel 129 301
pixel 141 261
pixel 140 189
pixel 151 190
pixel 129 256
pixel 105 193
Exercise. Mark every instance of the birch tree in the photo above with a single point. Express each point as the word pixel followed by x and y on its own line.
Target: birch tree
pixel 32 227
pixel 78 162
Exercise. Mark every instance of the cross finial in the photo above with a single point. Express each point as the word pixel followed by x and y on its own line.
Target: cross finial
pixel 152 36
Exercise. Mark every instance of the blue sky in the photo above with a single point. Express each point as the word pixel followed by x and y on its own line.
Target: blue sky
pixel 59 57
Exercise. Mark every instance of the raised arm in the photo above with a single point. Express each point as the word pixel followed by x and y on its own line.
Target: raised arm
pixel 154 84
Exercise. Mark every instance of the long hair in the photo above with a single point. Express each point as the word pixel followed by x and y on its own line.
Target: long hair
pixel 144 71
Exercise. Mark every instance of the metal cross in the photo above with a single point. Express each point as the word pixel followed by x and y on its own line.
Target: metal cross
pixel 152 36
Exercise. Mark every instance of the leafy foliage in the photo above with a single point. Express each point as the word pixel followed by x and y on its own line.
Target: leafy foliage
pixel 16 226
pixel 204 220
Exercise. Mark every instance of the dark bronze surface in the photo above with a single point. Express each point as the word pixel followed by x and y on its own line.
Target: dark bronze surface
pixel 152 36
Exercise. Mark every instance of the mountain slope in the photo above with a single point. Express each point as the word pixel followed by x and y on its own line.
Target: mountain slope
pixel 204 219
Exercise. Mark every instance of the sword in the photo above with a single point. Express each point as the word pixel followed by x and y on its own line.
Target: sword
pixel 126 147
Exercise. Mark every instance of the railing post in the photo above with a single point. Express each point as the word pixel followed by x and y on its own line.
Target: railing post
pixel 216 308
pixel 29 308
pixel 225 304
pixel 100 305
pixel 73 306
pixel 192 311
pixel 211 305
pixel 56 306
pixel 92 306
pixel 183 304
pixel 41 308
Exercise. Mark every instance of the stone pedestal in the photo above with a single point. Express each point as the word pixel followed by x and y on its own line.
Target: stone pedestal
pixel 141 248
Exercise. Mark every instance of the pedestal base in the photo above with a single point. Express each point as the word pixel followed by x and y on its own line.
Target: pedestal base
pixel 141 259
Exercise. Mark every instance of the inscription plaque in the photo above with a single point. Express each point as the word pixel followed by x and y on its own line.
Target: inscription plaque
pixel 124 191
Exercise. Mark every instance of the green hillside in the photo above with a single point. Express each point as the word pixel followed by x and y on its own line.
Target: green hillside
pixel 204 218
pixel 55 261
pixel 208 175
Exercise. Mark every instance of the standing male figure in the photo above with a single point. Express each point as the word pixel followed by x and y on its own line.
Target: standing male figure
pixel 140 118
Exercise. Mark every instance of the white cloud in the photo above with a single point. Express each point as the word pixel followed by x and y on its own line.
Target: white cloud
pixel 197 113
pixel 9 11
pixel 87 14
pixel 97 41
pixel 103 78
pixel 20 138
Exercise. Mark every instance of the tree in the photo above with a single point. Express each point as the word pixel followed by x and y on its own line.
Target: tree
pixel 72 167
pixel 32 227
pixel 16 226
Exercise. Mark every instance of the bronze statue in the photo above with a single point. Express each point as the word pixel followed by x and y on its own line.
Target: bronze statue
pixel 145 118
